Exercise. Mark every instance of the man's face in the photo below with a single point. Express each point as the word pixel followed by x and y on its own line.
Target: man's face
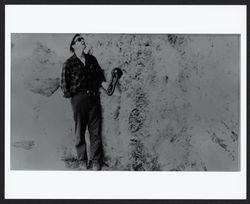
pixel 79 43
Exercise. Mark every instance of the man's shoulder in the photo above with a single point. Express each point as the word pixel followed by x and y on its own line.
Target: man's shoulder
pixel 69 60
pixel 90 57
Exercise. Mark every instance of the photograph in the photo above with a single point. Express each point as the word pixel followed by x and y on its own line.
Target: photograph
pixel 138 102
pixel 125 102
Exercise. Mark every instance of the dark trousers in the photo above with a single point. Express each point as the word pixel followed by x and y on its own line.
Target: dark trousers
pixel 87 113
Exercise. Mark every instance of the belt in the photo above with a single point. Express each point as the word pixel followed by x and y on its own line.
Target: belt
pixel 89 92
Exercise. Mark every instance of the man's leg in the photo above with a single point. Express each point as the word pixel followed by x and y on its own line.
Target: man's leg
pixel 80 117
pixel 80 144
pixel 94 127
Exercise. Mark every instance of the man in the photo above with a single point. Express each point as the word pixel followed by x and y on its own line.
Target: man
pixel 81 79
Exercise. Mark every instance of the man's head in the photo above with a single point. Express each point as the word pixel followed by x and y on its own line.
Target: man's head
pixel 77 43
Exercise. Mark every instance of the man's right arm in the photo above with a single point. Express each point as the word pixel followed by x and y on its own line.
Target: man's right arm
pixel 65 81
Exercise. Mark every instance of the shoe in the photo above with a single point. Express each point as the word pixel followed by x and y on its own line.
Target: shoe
pixel 96 167
pixel 83 165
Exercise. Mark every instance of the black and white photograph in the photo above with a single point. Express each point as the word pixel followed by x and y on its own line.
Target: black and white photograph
pixel 125 102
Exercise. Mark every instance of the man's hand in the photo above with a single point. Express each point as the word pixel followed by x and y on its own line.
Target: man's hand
pixel 105 85
pixel 116 75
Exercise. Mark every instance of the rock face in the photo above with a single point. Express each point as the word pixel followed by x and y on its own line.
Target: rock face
pixel 28 145
pixel 176 107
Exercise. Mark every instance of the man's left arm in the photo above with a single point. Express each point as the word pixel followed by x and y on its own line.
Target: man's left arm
pixel 100 75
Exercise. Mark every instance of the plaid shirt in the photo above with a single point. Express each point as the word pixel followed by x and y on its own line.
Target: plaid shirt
pixel 78 77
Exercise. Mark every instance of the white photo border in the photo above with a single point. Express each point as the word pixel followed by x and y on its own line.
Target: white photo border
pixel 122 19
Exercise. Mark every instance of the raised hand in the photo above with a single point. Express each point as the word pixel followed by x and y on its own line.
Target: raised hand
pixel 116 74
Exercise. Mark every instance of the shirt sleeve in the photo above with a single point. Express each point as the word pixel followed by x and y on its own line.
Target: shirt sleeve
pixel 99 72
pixel 65 81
